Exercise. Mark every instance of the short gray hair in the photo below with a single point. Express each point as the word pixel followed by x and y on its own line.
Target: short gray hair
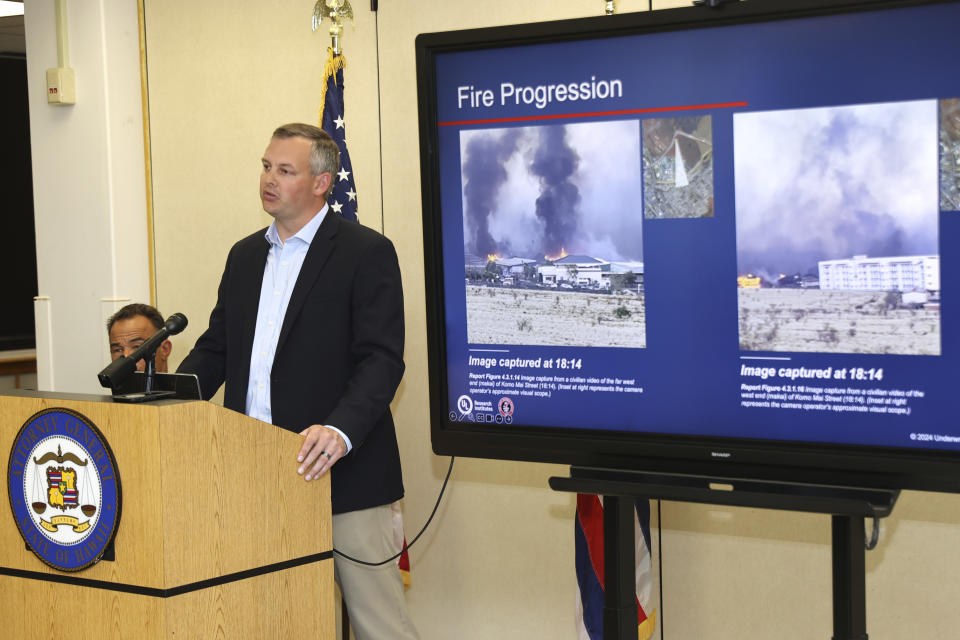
pixel 324 154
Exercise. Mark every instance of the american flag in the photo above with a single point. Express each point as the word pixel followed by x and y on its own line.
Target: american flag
pixel 343 200
pixel 343 197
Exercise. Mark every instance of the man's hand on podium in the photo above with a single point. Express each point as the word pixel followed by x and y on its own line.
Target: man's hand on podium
pixel 320 451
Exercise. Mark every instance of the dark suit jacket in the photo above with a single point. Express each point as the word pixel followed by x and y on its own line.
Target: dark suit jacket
pixel 339 356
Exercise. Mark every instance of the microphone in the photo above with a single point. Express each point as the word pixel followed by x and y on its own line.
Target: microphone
pixel 121 368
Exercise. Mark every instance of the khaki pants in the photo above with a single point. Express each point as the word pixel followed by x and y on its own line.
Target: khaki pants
pixel 374 595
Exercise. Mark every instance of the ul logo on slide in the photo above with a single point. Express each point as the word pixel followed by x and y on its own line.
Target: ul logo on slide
pixel 464 404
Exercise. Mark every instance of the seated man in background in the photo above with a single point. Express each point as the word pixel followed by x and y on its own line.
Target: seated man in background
pixel 130 327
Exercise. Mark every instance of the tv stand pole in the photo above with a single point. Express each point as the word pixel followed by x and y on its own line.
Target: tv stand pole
pixel 847 507
pixel 849 578
pixel 619 566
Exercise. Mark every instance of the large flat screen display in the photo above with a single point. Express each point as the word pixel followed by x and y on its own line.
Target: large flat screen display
pixel 708 241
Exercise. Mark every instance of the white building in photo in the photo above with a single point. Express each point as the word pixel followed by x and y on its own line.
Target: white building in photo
pixel 898 273
pixel 514 266
pixel 579 270
pixel 585 271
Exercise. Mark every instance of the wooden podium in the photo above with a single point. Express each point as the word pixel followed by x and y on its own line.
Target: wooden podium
pixel 218 536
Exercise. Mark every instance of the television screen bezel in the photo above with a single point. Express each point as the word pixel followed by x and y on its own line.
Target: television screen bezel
pixel 721 457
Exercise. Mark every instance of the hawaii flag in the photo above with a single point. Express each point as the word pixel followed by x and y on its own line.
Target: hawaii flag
pixel 589 564
pixel 403 562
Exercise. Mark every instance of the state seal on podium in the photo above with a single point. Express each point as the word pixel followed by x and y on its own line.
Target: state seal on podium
pixel 64 489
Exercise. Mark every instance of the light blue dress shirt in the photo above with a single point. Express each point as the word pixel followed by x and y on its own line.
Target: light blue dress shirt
pixel 279 276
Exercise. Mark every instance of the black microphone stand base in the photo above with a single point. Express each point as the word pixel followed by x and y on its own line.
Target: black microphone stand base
pixel 144 396
pixel 149 393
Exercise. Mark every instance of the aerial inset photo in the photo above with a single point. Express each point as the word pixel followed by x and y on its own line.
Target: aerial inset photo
pixel 678 167
pixel 950 154
pixel 553 235
pixel 837 229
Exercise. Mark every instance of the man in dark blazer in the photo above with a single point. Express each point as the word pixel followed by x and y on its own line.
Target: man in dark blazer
pixel 307 333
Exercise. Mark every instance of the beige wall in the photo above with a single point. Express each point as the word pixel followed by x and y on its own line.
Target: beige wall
pixel 497 561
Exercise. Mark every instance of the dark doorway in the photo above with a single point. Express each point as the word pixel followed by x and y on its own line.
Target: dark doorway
pixel 18 257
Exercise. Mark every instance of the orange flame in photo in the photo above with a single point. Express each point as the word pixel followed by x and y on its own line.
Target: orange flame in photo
pixel 562 254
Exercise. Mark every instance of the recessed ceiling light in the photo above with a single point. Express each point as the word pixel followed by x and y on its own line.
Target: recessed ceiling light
pixel 8 8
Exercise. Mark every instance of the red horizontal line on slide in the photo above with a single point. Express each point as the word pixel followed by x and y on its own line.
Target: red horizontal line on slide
pixel 594 114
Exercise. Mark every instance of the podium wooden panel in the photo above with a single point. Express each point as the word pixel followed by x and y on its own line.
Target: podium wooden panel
pixel 218 535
